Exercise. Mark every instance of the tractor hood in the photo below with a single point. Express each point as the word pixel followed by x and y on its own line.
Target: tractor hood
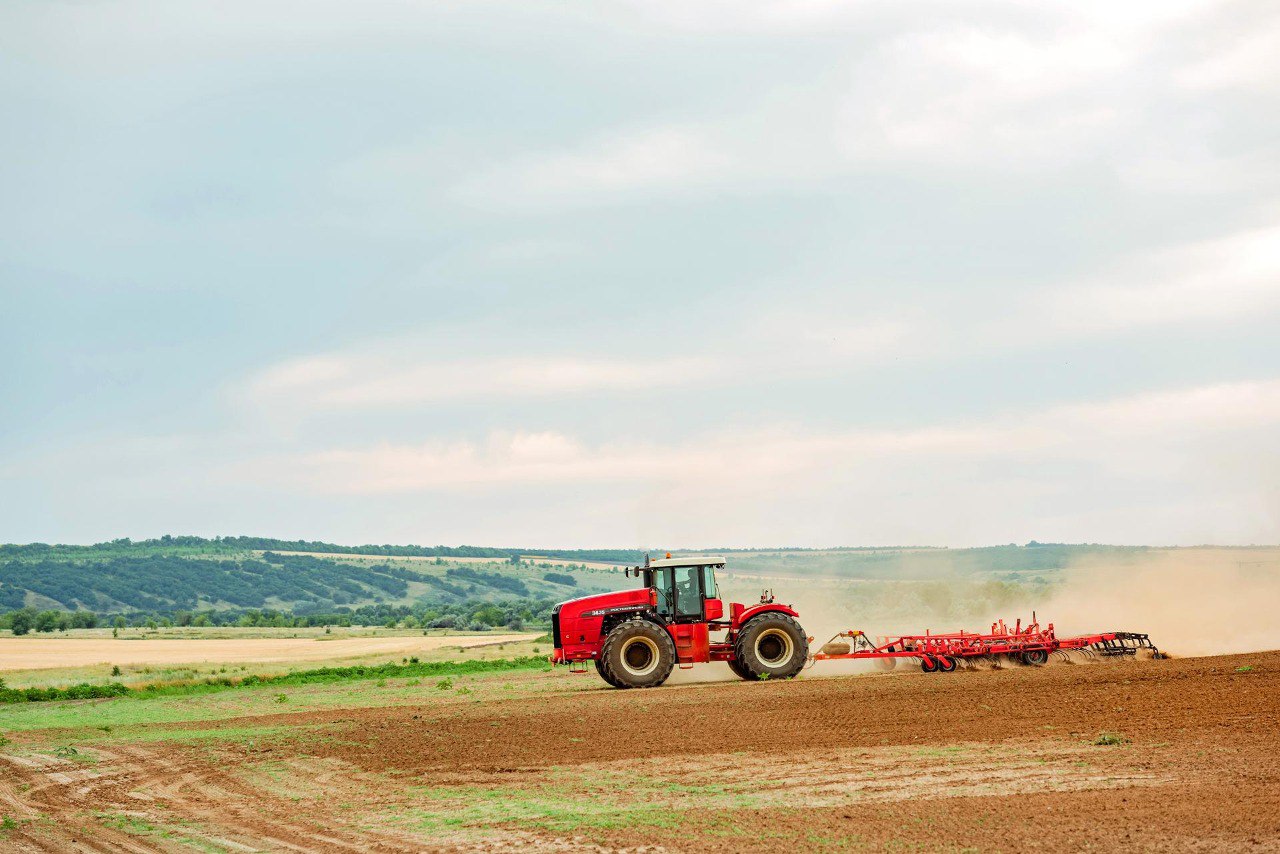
pixel 607 603
pixel 576 625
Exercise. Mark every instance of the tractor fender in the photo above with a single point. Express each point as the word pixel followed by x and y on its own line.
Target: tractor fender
pixel 609 622
pixel 740 619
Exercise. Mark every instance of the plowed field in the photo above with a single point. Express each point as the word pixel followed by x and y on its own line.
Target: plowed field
pixel 1005 760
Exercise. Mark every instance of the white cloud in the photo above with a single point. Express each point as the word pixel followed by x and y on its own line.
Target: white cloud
pixel 753 344
pixel 1135 436
pixel 634 162
pixel 336 381
pixel 1226 278
pixel 1029 88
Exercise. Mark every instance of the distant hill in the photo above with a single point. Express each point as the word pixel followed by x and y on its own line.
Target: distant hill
pixel 189 546
pixel 185 573
pixel 190 573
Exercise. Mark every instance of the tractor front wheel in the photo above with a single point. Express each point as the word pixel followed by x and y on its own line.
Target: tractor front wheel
pixel 606 674
pixel 638 654
pixel 771 646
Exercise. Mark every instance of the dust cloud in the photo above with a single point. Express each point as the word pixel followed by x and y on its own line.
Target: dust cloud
pixel 1190 601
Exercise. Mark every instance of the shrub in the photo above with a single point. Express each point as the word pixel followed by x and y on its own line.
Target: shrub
pixel 1110 739
pixel 561 578
pixel 21 622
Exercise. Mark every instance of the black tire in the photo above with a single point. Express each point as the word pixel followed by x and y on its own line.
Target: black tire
pixel 1036 657
pixel 771 646
pixel 928 664
pixel 606 674
pixel 638 654
pixel 738 670
pixel 946 664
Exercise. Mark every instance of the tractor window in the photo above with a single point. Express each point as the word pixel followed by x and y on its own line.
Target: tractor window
pixel 688 592
pixel 662 585
pixel 709 589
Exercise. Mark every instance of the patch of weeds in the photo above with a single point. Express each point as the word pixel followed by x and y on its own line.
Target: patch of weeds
pixel 945 750
pixel 444 684
pixel 464 690
pixel 1111 739
pixel 127 823
pixel 4 741
pixel 282 698
pixel 66 751
pixel 8 823
pixel 1248 668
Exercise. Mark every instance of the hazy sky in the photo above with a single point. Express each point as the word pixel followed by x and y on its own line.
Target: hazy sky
pixel 641 273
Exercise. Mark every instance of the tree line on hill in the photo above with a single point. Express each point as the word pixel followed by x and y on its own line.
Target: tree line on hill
pixel 232 545
pixel 162 582
pixel 516 615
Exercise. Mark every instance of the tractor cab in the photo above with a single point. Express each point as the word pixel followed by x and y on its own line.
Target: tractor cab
pixel 684 589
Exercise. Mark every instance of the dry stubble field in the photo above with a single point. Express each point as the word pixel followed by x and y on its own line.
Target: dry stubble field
pixel 973 761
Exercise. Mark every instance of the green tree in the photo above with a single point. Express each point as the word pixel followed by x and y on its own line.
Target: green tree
pixel 46 621
pixel 21 621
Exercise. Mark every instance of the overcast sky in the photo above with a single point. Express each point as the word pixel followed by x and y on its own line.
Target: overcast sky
pixel 661 274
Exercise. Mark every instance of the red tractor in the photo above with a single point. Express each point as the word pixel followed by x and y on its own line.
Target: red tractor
pixel 636 637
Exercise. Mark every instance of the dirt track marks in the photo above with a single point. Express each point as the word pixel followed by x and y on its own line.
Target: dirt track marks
pixel 160 796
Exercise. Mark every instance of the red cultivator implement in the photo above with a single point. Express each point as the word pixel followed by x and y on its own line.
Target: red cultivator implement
pixel 1030 644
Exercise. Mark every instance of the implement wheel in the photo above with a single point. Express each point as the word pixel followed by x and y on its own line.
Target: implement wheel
pixel 928 664
pixel 886 664
pixel 946 664
pixel 638 654
pixel 771 646
pixel 1035 657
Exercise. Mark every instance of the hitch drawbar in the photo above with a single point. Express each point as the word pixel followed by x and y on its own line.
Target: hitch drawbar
pixel 1030 644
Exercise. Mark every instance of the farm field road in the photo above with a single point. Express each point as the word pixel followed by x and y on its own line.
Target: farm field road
pixel 1004 760
pixel 33 653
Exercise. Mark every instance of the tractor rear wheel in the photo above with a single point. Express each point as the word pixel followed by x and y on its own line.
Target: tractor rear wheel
pixel 606 674
pixel 738 669
pixel 771 646
pixel 638 654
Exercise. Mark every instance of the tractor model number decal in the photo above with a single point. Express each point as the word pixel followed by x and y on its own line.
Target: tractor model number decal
pixel 618 609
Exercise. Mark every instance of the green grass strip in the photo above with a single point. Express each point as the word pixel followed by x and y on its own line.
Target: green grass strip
pixel 390 670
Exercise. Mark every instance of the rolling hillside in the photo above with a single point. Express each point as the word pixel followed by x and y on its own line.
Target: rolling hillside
pixel 190 574
pixel 173 574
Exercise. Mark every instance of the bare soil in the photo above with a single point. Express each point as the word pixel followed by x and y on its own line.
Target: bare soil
pixel 1002 760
